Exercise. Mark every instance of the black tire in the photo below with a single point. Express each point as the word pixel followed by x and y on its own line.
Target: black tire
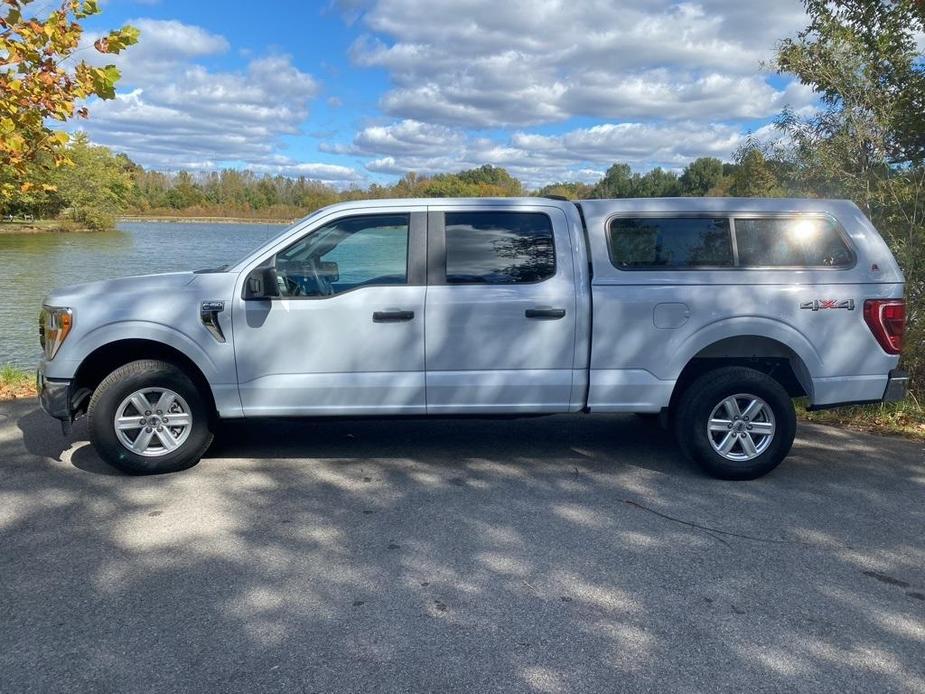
pixel 119 385
pixel 697 402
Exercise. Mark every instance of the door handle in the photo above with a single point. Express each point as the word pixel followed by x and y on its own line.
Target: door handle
pixel 545 313
pixel 392 316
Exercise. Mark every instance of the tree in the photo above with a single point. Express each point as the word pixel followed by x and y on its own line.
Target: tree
pixel 862 58
pixel 616 183
pixel 38 84
pixel 492 179
pixel 185 192
pixel 754 177
pixel 95 187
pixel 867 141
pixel 701 176
pixel 656 183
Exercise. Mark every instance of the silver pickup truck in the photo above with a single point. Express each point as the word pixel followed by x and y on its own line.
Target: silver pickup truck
pixel 709 315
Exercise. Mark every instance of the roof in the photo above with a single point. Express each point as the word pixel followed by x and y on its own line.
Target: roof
pixel 717 205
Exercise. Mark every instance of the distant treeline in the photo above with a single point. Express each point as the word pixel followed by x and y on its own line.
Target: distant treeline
pixel 245 194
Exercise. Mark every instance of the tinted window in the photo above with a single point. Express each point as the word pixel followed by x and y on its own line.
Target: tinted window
pixel 498 247
pixel 672 242
pixel 791 242
pixel 344 255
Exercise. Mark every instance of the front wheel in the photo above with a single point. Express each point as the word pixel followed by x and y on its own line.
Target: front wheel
pixel 148 417
pixel 736 423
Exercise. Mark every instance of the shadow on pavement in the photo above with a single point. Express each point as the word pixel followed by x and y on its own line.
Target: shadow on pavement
pixel 539 555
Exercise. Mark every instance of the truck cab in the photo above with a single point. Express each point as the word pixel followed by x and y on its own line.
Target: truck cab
pixel 707 314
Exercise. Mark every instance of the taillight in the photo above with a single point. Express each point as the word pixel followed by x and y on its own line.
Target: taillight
pixel 886 319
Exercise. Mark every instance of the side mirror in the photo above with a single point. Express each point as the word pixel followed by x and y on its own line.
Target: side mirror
pixel 261 283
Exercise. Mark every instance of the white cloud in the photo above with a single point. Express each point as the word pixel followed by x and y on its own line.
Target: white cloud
pixel 522 62
pixel 407 137
pixel 578 154
pixel 333 174
pixel 172 112
pixel 164 45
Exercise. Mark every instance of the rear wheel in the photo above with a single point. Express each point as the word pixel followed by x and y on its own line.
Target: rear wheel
pixel 736 423
pixel 148 417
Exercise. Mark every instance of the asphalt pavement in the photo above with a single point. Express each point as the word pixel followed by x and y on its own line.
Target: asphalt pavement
pixel 560 554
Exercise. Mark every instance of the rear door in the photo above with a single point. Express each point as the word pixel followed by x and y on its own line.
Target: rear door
pixel 500 311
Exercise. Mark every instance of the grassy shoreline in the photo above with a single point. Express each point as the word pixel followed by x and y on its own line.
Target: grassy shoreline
pixel 906 419
pixel 64 226
pixel 16 383
pixel 43 226
pixel 201 220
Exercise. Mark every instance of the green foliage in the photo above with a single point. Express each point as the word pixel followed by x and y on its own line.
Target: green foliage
pixel 867 142
pixel 485 181
pixel 905 418
pixel 92 190
pixel 572 191
pixel 621 182
pixel 616 183
pixel 11 374
pixel 701 176
pixel 754 177
pixel 15 383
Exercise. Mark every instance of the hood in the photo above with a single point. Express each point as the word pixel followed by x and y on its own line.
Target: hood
pixel 141 284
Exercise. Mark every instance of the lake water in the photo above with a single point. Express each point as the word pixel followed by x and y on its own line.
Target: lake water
pixel 33 264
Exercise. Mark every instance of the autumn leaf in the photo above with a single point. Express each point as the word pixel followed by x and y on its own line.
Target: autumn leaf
pixel 43 85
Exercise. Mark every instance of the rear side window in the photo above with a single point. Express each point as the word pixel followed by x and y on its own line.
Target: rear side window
pixel 670 242
pixel 791 242
pixel 499 248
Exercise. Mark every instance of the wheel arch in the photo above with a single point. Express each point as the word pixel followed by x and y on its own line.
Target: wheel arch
pixel 769 355
pixel 108 357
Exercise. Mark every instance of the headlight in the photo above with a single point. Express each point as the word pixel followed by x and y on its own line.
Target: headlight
pixel 55 325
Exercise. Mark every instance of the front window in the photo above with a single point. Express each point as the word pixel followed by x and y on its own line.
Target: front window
pixel 344 255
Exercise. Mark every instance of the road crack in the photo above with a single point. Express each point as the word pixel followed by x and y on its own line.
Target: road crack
pixel 715 532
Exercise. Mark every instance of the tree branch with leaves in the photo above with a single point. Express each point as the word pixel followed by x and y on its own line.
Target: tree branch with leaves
pixel 40 83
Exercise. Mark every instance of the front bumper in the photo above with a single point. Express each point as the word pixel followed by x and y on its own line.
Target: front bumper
pixel 897 386
pixel 55 396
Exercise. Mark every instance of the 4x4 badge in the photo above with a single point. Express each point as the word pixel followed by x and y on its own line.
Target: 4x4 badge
pixel 823 304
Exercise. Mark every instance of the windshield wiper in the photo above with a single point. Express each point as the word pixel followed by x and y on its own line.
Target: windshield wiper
pixel 204 271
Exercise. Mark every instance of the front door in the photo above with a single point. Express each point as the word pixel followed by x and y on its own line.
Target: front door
pixel 501 311
pixel 346 334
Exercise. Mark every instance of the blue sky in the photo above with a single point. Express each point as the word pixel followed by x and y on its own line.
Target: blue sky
pixel 356 91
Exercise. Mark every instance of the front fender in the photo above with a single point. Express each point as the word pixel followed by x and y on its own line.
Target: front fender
pixel 70 357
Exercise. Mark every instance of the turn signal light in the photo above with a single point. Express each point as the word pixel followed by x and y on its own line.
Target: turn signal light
pixel 55 325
